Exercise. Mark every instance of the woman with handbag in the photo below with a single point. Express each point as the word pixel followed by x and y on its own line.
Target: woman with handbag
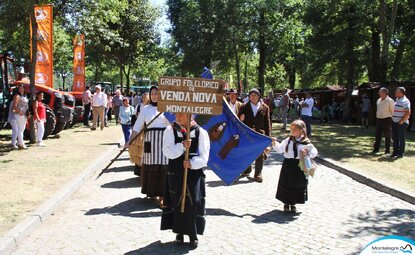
pixel 126 111
pixel 292 184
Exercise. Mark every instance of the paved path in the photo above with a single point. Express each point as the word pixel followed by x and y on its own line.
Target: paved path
pixel 110 216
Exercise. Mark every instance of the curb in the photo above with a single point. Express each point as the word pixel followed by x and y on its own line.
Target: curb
pixel 11 239
pixel 366 181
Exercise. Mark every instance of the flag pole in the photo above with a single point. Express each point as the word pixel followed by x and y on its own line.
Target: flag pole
pixel 186 157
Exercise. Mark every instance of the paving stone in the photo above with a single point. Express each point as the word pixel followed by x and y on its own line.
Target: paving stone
pixel 111 216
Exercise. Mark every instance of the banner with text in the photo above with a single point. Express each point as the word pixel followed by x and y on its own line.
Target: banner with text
pixel 79 63
pixel 190 95
pixel 44 56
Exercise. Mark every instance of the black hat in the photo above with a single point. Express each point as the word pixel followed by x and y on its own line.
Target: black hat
pixel 256 91
pixel 232 91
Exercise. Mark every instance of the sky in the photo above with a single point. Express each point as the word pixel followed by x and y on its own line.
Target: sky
pixel 163 22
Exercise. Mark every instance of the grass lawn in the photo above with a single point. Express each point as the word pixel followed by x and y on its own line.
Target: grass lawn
pixel 351 147
pixel 30 177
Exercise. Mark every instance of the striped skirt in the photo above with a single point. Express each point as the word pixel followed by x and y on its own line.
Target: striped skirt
pixel 153 147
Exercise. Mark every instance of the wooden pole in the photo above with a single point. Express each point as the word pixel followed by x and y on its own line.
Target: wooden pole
pixel 186 157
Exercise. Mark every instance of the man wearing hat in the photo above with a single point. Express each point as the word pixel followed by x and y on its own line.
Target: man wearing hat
pixel 233 102
pixel 255 114
pixel 99 101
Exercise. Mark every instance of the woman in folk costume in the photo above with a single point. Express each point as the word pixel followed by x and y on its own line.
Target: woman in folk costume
pixel 192 221
pixel 292 185
pixel 154 163
pixel 137 147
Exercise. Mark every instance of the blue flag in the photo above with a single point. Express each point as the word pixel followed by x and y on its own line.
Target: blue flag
pixel 233 145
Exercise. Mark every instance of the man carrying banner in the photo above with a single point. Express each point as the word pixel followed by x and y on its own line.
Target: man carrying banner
pixel 255 115
pixel 191 222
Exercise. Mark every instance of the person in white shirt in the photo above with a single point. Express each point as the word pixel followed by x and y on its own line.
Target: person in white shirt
pixel 293 182
pixel 192 221
pixel 99 101
pixel 384 111
pixel 307 112
pixel 234 104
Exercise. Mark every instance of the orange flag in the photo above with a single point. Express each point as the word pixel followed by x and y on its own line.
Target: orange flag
pixel 44 56
pixel 79 63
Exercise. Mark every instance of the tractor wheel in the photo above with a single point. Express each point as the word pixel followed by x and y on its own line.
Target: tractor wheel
pixel 59 127
pixel 50 122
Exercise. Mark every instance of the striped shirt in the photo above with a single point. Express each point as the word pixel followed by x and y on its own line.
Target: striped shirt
pixel 401 106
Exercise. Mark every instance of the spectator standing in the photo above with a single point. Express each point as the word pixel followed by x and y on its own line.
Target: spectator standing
pixel 126 112
pixel 365 111
pixel 21 107
pixel 116 103
pixel 39 114
pixel 99 100
pixel 385 107
pixel 400 122
pixel 296 106
pixel 12 119
pixel 284 108
pixel 86 101
pixel 108 115
pixel 307 112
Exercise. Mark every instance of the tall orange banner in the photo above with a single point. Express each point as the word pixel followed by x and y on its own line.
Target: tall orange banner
pixel 79 63
pixel 44 56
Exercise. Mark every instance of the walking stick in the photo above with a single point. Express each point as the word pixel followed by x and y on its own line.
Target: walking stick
pixel 123 150
pixel 186 157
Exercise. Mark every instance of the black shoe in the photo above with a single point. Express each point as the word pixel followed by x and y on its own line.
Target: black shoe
pixel 286 208
pixel 393 155
pixel 293 209
pixel 194 242
pixel 399 156
pixel 179 240
pixel 387 152
pixel 375 151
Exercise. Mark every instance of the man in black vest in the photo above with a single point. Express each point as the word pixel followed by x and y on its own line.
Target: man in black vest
pixel 255 114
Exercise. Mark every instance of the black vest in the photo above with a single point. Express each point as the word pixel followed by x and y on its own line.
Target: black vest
pixel 194 148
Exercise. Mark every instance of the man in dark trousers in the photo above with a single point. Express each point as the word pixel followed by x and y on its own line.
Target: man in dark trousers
pixel 255 114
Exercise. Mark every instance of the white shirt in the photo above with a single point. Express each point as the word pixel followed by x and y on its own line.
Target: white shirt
pixel 255 108
pixel 246 100
pixel 171 150
pixel 99 99
pixel 146 115
pixel 308 110
pixel 280 148
pixel 233 106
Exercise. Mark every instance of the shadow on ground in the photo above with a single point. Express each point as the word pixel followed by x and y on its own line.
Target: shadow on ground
pixel 135 208
pixel 400 222
pixel 120 169
pixel 145 208
pixel 161 248
pixel 123 184
pixel 275 216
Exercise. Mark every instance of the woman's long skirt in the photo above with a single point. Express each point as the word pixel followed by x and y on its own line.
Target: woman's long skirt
pixel 154 164
pixel 292 185
pixel 192 221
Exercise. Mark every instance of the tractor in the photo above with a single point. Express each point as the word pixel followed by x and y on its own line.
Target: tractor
pixel 57 114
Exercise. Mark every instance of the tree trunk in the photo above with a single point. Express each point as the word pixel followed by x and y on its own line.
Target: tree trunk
pixel 350 56
pixel 387 31
pixel 374 72
pixel 127 76
pixel 262 51
pixel 245 77
pixel 237 65
pixel 397 62
pixel 121 78
pixel 96 70
pixel 292 76
pixel 32 72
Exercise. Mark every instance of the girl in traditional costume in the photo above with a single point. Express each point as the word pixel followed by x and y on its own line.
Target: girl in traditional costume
pixel 292 184
pixel 192 221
